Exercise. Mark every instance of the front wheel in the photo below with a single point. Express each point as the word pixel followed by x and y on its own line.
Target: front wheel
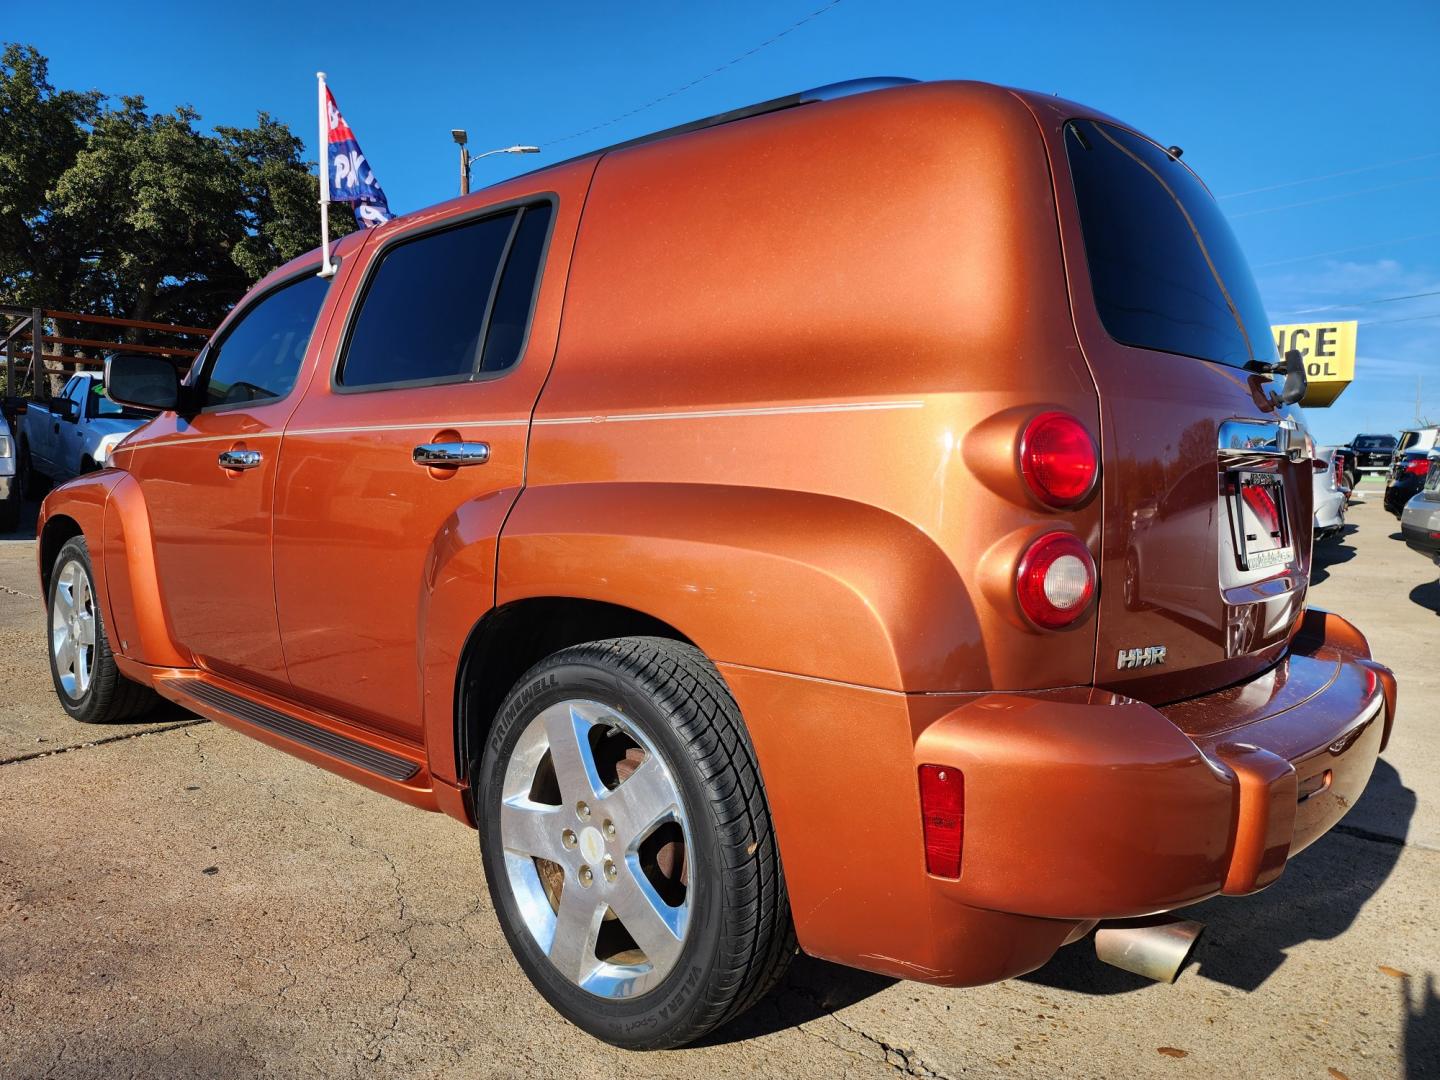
pixel 628 846
pixel 89 685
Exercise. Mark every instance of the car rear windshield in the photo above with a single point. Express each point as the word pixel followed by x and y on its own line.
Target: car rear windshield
pixel 1375 442
pixel 1166 270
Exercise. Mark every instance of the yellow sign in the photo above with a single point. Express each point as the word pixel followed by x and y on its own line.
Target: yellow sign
pixel 1329 352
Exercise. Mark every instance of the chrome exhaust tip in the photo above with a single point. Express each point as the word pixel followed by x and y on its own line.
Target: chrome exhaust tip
pixel 1155 947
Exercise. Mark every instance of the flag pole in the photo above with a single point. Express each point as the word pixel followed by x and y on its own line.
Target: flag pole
pixel 327 268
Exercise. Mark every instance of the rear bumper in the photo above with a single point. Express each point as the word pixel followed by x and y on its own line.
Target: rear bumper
pixel 1329 511
pixel 1079 805
pixel 1420 525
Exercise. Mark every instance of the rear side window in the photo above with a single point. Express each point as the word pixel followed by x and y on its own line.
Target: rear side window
pixel 260 354
pixel 448 305
pixel 1165 268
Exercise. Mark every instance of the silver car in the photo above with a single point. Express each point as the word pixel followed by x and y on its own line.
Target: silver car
pixel 1331 494
pixel 1420 520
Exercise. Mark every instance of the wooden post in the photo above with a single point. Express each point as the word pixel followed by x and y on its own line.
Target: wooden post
pixel 37 350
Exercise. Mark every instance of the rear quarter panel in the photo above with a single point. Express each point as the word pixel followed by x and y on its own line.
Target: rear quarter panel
pixel 793 353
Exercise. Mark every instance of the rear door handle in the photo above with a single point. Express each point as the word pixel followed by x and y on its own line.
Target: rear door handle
pixel 239 459
pixel 450 455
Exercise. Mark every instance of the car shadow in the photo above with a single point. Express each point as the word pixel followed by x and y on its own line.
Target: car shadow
pixel 1427 596
pixel 810 989
pixel 1420 1038
pixel 29 512
pixel 1246 938
pixel 1334 552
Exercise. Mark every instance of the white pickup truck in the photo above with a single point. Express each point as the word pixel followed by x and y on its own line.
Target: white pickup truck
pixel 73 433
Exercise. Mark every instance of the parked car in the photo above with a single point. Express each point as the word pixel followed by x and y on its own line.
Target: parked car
pixel 1417 439
pixel 9 483
pixel 735 602
pixel 1372 454
pixel 1420 520
pixel 1331 494
pixel 1407 476
pixel 72 433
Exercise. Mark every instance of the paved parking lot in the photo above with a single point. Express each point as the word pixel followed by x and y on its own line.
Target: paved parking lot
pixel 179 901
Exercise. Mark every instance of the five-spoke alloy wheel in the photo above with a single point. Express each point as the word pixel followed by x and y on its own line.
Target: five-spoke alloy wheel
pixel 87 681
pixel 627 843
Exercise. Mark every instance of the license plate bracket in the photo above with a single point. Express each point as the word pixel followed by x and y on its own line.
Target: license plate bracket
pixel 1259 520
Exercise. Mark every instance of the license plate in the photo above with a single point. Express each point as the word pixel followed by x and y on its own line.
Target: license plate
pixel 1257 513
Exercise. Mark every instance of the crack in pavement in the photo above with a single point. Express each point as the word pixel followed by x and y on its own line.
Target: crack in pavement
pixel 158 729
pixel 7 590
pixel 904 1061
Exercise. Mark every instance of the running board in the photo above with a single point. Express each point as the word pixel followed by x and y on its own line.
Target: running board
pixel 380 762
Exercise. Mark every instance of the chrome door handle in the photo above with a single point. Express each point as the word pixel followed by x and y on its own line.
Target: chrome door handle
pixel 239 459
pixel 450 455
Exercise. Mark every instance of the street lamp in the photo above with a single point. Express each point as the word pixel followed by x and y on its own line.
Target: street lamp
pixel 458 134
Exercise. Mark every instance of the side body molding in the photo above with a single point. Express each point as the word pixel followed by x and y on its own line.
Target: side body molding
pixel 792 581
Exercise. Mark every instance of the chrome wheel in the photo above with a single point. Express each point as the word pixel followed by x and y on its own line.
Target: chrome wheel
pixel 72 630
pixel 595 839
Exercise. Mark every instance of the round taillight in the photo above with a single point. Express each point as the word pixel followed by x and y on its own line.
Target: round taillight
pixel 1056 580
pixel 1058 459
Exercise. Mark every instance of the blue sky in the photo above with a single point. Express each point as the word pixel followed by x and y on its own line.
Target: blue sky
pixel 1270 99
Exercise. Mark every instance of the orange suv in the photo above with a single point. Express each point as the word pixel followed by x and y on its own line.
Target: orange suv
pixel 870 518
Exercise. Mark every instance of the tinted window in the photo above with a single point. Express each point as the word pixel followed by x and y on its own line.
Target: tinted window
pixel 1375 442
pixel 510 316
pixel 424 311
pixel 259 356
pixel 1166 270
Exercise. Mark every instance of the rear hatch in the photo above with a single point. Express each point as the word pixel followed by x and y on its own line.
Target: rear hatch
pixel 1207 490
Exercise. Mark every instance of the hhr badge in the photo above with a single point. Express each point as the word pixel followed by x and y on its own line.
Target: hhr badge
pixel 1149 656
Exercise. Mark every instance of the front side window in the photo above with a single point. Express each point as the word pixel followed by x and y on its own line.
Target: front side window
pixel 260 354
pixel 428 315
pixel 1166 270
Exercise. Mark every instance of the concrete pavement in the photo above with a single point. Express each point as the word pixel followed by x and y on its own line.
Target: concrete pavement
pixel 181 901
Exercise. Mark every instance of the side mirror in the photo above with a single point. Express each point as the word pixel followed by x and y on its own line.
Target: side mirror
pixel 147 382
pixel 66 409
pixel 1296 380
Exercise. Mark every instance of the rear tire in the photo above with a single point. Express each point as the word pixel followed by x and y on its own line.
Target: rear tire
pixel 87 681
pixel 33 485
pixel 591 749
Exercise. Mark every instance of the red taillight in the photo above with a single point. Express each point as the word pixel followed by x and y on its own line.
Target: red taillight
pixel 942 808
pixel 1417 466
pixel 1058 459
pixel 1055 581
pixel 1339 471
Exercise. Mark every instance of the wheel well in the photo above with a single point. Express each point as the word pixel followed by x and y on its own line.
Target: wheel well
pixel 511 639
pixel 58 530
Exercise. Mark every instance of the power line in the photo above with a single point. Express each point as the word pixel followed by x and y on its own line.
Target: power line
pixel 1347 250
pixel 696 82
pixel 1408 318
pixel 1330 176
pixel 1332 198
pixel 1363 303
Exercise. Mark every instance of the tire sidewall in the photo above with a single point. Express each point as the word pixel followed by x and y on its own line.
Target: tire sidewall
pixel 635 1022
pixel 83 707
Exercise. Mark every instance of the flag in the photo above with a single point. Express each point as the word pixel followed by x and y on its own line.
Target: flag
pixel 351 178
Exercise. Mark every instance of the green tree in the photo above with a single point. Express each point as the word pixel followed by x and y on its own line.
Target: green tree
pixel 118 210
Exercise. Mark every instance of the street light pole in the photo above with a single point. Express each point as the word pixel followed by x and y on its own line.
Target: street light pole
pixel 466 158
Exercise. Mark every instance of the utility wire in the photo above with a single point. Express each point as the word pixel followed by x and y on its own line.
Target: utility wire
pixel 1330 176
pixel 1346 250
pixel 1332 198
pixel 1363 303
pixel 696 82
